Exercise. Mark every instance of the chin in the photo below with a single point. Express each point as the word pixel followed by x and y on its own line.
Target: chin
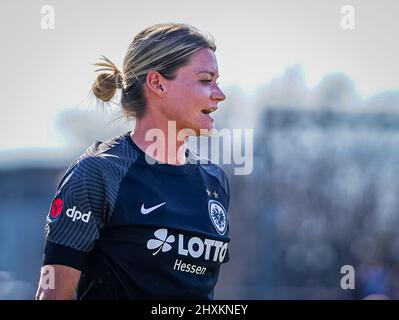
pixel 203 130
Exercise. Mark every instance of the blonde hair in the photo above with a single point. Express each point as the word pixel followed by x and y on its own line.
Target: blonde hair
pixel 161 47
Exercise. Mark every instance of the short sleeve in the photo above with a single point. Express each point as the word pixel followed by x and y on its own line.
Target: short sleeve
pixel 78 210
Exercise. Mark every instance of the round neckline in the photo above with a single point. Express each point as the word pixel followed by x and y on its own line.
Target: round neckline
pixel 161 166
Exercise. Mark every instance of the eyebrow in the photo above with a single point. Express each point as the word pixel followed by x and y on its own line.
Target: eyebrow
pixel 209 72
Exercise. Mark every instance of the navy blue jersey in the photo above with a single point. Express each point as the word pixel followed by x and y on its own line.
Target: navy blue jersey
pixel 138 230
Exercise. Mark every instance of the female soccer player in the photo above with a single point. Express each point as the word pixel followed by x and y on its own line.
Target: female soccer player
pixel 141 216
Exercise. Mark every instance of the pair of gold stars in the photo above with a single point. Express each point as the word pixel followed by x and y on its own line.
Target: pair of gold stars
pixel 215 194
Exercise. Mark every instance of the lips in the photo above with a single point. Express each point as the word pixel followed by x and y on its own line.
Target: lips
pixel 207 116
pixel 208 110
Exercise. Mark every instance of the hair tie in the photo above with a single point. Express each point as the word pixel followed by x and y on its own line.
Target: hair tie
pixel 119 80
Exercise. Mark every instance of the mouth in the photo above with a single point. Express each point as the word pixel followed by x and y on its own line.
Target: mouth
pixel 208 111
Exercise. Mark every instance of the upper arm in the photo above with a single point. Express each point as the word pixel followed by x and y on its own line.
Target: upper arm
pixel 79 208
pixel 76 217
pixel 57 282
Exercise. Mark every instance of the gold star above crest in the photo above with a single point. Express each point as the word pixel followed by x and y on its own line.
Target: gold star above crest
pixel 214 193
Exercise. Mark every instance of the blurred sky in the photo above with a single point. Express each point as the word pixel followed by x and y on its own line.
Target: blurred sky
pixel 47 71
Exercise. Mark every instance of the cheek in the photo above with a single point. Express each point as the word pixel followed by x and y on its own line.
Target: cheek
pixel 188 98
pixel 197 94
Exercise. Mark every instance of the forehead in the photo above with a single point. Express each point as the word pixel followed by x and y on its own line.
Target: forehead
pixel 203 60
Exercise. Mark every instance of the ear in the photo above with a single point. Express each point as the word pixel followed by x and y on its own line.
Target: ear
pixel 156 83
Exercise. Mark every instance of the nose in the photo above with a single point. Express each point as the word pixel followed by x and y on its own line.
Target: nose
pixel 218 94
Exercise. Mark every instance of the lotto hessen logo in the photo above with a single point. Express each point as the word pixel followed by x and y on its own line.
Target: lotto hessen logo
pixel 162 241
pixel 56 208
pixel 194 246
pixel 218 216
pixel 77 215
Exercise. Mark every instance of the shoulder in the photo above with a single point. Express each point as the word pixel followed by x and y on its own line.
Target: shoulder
pixel 111 158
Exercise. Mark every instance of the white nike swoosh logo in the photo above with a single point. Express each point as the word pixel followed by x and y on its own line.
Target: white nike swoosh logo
pixel 147 211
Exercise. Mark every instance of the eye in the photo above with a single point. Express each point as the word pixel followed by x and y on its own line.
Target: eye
pixel 206 81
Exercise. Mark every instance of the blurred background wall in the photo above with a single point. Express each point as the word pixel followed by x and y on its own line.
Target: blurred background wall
pixel 322 102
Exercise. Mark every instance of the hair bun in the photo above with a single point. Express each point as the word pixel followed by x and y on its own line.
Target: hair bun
pixel 108 81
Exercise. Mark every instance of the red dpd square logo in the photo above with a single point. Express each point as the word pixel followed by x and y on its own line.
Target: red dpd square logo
pixel 56 208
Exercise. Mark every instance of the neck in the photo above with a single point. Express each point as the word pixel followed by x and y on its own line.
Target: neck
pixel 162 143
